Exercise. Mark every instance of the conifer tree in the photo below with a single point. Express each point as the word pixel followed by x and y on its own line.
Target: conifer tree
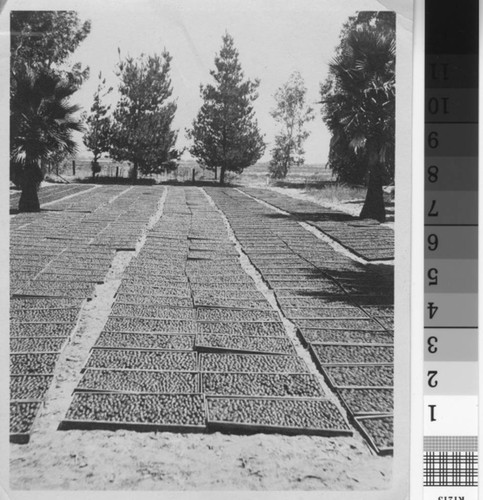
pixel 225 132
pixel 141 131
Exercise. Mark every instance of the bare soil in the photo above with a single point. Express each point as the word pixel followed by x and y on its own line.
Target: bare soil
pixel 104 460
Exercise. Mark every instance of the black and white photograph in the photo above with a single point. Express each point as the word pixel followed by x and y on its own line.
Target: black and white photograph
pixel 208 246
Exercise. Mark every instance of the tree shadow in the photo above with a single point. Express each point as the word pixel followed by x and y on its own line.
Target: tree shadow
pixel 324 216
pixel 276 216
pixel 141 181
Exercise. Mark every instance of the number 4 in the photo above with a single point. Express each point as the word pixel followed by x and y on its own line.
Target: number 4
pixel 432 309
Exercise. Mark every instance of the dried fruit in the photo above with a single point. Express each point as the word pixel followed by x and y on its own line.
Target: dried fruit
pixel 45 315
pixel 34 363
pixel 361 401
pixel 251 363
pixel 346 336
pixel 125 409
pixel 275 345
pixel 139 381
pixel 39 344
pixel 145 341
pixel 152 311
pixel 359 353
pixel 133 324
pixel 142 360
pixel 380 431
pixel 261 384
pixel 41 329
pixel 262 329
pixel 302 415
pixel 233 315
pixel 22 416
pixel 29 386
pixel 360 375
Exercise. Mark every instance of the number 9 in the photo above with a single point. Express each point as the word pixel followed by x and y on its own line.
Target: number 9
pixel 433 242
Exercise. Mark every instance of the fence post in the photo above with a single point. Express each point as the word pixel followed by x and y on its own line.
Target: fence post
pixel 73 167
pixel 117 172
pixel 193 175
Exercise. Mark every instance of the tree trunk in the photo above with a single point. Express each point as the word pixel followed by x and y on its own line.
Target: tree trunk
pixel 374 203
pixel 30 183
pixel 134 175
pixel 222 175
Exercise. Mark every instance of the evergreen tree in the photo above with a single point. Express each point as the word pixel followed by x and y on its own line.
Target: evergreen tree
pixel 225 132
pixel 46 39
pixel 97 137
pixel 359 105
pixel 292 113
pixel 141 131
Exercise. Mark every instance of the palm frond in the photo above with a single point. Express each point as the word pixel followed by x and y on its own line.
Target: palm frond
pixel 42 119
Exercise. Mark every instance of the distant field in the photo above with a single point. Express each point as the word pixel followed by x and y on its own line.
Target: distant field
pixel 111 168
pixel 313 182
pixel 310 175
pixel 307 176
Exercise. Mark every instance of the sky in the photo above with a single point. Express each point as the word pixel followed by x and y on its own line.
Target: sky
pixel 273 37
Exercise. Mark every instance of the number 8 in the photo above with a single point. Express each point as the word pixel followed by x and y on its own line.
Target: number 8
pixel 433 171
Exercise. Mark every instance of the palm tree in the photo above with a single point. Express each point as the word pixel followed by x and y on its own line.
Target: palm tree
pixel 359 105
pixel 41 124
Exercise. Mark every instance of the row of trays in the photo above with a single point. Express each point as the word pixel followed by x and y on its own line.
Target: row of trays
pixel 370 242
pixel 362 376
pixel 197 412
pixel 133 324
pixel 37 344
pixel 156 360
pixel 51 315
pixel 310 336
pixel 215 342
pixel 39 330
pixel 352 347
pixel 161 312
pixel 237 412
pixel 192 406
pixel 208 383
pixel 362 324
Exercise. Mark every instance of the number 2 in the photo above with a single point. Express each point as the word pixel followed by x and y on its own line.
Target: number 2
pixel 432 382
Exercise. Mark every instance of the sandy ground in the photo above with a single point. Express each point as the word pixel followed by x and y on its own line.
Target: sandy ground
pixel 104 460
pixel 128 460
pixel 353 207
